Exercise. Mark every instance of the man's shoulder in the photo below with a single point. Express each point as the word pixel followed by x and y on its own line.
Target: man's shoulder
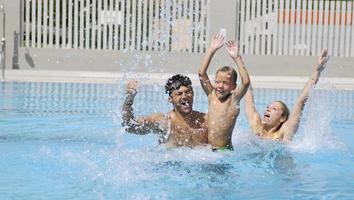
pixel 198 113
pixel 158 114
pixel 200 116
pixel 156 117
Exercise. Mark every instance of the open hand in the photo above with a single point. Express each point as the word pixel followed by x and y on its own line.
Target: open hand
pixel 217 41
pixel 233 49
pixel 322 60
pixel 131 87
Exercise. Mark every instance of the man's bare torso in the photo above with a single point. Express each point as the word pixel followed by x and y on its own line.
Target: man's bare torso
pixel 188 133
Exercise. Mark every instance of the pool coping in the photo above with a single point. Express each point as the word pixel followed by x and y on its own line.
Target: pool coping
pixel 289 82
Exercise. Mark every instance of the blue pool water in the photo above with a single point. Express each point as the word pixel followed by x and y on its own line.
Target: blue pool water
pixel 64 141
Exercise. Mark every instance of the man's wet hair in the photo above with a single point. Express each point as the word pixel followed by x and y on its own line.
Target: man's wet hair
pixel 176 81
pixel 229 70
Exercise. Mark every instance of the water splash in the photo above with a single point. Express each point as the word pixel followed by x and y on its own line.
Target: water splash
pixel 315 133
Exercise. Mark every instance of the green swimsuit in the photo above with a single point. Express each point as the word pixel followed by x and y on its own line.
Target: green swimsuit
pixel 225 148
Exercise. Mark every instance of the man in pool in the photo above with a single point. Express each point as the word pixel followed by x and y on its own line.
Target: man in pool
pixel 180 127
pixel 277 122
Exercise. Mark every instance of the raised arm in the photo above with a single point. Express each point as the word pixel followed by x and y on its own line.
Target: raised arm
pixel 253 118
pixel 290 126
pixel 216 42
pixel 142 125
pixel 233 50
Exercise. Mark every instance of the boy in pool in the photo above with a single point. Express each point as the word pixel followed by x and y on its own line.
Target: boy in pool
pixel 180 127
pixel 224 97
pixel 277 122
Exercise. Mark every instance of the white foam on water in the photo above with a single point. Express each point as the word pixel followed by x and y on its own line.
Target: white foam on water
pixel 315 132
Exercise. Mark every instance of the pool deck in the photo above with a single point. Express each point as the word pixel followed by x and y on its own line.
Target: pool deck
pixel 295 82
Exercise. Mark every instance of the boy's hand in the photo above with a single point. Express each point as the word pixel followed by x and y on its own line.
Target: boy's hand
pixel 131 87
pixel 322 60
pixel 233 49
pixel 216 42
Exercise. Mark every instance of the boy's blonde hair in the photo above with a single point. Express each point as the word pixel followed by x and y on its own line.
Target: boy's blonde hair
pixel 229 70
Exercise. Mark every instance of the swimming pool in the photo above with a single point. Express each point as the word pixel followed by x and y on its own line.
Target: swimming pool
pixel 64 141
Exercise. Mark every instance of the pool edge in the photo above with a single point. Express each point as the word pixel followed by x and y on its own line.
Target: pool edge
pixel 290 82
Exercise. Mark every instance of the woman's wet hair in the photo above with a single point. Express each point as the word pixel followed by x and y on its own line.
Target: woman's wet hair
pixel 229 70
pixel 286 111
pixel 176 81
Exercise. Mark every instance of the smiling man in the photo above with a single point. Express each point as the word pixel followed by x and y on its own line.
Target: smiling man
pixel 277 122
pixel 180 127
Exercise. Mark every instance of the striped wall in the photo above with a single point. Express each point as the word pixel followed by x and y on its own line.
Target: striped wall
pixel 142 25
pixel 263 27
pixel 296 27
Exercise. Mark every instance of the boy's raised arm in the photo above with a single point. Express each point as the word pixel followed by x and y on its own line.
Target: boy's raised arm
pixel 233 50
pixel 291 125
pixel 216 42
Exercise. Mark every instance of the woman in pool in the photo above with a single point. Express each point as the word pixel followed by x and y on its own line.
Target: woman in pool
pixel 277 122
pixel 181 127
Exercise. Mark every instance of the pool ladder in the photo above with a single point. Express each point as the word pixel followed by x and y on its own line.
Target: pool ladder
pixel 3 43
